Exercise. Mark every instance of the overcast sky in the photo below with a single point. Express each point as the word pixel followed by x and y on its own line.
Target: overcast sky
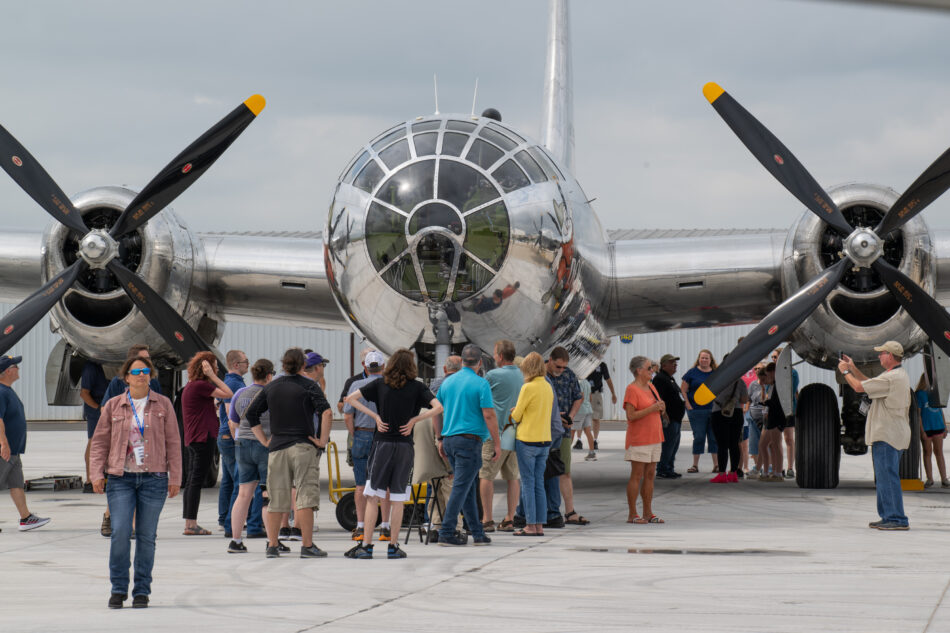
pixel 107 92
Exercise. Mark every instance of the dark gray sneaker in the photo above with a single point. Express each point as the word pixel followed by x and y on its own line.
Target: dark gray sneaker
pixel 116 600
pixel 481 540
pixel 312 552
pixel 394 551
pixel 283 549
pixel 456 539
pixel 272 552
pixel 236 548
pixel 140 602
pixel 360 551
pixel 875 524
pixel 890 525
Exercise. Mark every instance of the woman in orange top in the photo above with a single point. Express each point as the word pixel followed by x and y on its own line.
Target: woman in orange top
pixel 643 407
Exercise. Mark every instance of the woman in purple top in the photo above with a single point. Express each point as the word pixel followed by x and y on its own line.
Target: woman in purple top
pixel 699 414
pixel 200 419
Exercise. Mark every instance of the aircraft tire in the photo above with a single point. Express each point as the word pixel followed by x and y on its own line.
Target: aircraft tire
pixel 817 438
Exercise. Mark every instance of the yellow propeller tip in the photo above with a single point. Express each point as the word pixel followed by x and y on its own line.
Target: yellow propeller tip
pixel 703 395
pixel 255 104
pixel 712 90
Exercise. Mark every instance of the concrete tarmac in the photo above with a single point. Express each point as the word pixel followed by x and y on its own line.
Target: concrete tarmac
pixel 739 557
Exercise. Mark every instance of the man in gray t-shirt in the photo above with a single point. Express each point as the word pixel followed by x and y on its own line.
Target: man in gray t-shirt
pixel 362 428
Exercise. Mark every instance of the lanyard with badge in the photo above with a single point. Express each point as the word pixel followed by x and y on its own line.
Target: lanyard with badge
pixel 138 442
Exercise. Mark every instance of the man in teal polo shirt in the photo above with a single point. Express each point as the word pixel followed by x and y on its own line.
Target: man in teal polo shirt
pixel 468 420
pixel 506 381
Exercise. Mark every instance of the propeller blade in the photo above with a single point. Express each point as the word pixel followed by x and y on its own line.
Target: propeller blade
pixel 33 179
pixel 165 319
pixel 187 167
pixel 767 335
pixel 929 186
pixel 923 308
pixel 776 158
pixel 22 318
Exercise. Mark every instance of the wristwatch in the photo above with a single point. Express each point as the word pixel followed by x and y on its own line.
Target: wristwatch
pixel 846 372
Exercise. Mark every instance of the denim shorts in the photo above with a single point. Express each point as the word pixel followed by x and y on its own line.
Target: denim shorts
pixel 251 458
pixel 362 442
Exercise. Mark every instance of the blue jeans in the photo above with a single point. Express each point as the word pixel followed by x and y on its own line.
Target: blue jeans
pixel 671 444
pixel 141 494
pixel 702 430
pixel 465 458
pixel 362 443
pixel 531 463
pixel 251 465
pixel 890 503
pixel 754 434
pixel 228 489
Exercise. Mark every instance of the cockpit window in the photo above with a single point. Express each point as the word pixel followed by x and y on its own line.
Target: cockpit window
pixel 425 143
pixel 357 165
pixel 461 126
pixel 426 126
pixel 369 177
pixel 514 135
pixel 531 166
pixel 389 138
pixel 498 139
pixel 435 214
pixel 453 144
pixel 464 187
pixel 385 235
pixel 484 154
pixel 402 277
pixel 436 255
pixel 396 154
pixel 510 176
pixel 486 234
pixel 549 169
pixel 409 186
pixel 471 278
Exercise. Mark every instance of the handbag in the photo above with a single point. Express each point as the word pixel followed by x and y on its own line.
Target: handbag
pixel 554 467
pixel 508 435
pixel 665 419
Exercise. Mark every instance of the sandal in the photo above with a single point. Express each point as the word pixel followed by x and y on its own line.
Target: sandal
pixel 196 531
pixel 640 521
pixel 488 526
pixel 523 533
pixel 655 519
pixel 506 526
pixel 634 519
pixel 576 520
pixel 692 469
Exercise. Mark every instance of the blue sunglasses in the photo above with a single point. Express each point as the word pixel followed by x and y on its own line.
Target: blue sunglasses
pixel 141 370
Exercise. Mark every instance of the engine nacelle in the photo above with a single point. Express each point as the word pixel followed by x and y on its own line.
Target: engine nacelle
pixel 95 316
pixel 860 312
pixel 465 215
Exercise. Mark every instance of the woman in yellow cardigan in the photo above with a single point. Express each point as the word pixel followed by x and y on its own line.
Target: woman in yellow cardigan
pixel 532 413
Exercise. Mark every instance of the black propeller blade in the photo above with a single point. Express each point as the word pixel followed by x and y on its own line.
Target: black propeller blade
pixel 776 158
pixel 187 167
pixel 33 179
pixel 165 319
pixel 773 329
pixel 929 186
pixel 923 308
pixel 18 321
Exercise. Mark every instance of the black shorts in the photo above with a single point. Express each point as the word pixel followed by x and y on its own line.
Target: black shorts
pixel 790 422
pixel 389 468
pixel 779 424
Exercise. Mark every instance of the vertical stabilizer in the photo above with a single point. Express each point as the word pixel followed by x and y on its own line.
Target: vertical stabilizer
pixel 557 121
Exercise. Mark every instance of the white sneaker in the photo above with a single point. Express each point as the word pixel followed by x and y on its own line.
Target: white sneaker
pixel 32 522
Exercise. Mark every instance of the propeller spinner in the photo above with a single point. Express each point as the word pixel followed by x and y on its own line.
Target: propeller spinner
pixel 98 249
pixel 862 247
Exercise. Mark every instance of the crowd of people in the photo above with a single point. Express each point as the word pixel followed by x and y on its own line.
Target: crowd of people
pixel 519 419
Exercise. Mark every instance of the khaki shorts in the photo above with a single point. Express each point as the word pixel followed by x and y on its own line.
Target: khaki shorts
pixel 597 404
pixel 507 463
pixel 295 466
pixel 647 454
pixel 566 453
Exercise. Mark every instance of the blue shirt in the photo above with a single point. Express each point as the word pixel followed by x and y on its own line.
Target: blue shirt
pixel 931 418
pixel 505 383
pixel 360 419
pixel 117 388
pixel 566 390
pixel 14 419
pixel 694 378
pixel 463 395
pixel 93 379
pixel 234 382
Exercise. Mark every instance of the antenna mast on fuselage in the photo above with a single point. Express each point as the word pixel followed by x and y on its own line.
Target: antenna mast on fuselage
pixel 557 118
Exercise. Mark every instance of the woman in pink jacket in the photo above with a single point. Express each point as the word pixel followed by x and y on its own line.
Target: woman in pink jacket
pixel 136 445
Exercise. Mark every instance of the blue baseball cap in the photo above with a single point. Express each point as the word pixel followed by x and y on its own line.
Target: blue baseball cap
pixel 312 358
pixel 7 361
